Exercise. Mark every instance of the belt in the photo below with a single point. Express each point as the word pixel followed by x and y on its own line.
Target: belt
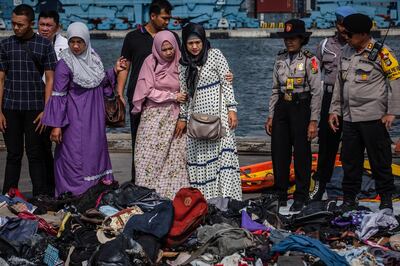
pixel 295 96
pixel 328 88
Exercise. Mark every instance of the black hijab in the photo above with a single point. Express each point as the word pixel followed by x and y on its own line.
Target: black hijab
pixel 189 60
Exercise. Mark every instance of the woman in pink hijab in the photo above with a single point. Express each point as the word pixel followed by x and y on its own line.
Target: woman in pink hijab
pixel 160 154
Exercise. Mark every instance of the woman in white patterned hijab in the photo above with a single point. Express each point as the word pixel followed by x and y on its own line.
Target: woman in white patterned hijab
pixel 84 62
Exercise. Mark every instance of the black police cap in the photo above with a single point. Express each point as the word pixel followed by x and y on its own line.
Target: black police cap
pixel 293 28
pixel 357 23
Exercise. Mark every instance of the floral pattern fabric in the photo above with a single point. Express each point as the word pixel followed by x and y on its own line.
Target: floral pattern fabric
pixel 160 159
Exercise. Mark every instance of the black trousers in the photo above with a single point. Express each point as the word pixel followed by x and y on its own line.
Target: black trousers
pixel 49 162
pixel 20 129
pixel 289 129
pixel 328 141
pixel 135 120
pixel 373 136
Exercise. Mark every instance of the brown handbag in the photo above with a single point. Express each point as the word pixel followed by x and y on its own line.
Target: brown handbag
pixel 115 111
pixel 204 126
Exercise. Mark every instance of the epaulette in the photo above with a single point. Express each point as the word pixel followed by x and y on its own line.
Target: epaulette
pixel 282 52
pixel 307 53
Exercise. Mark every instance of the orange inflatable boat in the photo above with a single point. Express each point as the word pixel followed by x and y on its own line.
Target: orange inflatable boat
pixel 259 176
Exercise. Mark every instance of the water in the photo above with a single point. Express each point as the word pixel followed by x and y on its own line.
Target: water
pixel 251 61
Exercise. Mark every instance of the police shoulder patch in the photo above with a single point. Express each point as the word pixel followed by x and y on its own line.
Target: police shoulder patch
pixel 389 64
pixel 314 65
pixel 307 53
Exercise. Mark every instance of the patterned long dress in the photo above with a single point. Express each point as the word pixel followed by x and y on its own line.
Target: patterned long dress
pixel 160 159
pixel 213 166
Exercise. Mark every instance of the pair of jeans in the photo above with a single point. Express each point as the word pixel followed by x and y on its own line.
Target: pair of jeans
pixel 21 130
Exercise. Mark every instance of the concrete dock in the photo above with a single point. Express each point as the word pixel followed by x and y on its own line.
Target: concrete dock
pixel 121 160
pixel 251 150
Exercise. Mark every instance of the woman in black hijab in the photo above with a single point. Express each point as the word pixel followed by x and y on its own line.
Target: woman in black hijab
pixel 213 165
pixel 190 32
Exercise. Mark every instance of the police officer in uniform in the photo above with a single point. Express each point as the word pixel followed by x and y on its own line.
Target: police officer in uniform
pixel 294 109
pixel 328 53
pixel 367 96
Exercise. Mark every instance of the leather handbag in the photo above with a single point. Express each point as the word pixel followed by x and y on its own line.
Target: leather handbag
pixel 115 111
pixel 204 126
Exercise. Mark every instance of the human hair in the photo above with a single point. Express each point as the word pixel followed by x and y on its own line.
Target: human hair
pixel 50 14
pixel 25 10
pixel 157 5
pixel 305 40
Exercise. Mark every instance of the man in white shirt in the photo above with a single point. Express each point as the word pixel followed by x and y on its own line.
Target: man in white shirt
pixel 49 27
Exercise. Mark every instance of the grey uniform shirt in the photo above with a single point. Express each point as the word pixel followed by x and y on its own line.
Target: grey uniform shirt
pixel 366 90
pixel 328 53
pixel 303 68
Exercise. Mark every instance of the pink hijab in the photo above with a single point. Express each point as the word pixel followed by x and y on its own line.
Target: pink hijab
pixel 158 74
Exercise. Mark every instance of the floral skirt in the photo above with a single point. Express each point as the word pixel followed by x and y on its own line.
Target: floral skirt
pixel 160 159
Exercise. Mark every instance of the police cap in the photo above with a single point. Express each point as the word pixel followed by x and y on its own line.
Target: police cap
pixel 357 23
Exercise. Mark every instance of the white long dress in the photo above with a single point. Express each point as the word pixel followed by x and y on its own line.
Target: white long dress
pixel 213 166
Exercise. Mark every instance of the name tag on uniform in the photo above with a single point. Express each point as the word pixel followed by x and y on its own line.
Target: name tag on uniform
pixel 300 66
pixel 290 84
pixel 364 76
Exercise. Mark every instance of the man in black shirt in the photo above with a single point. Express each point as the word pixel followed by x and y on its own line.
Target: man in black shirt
pixel 137 46
pixel 24 58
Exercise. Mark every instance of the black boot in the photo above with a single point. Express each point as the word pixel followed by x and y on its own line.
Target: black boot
pixel 386 201
pixel 318 191
pixel 282 199
pixel 349 204
pixel 297 206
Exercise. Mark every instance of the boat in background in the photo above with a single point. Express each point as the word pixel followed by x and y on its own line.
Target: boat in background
pixel 260 176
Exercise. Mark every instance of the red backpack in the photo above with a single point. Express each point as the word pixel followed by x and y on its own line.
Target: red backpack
pixel 190 209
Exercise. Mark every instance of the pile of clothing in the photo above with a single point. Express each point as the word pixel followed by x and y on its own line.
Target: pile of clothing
pixel 131 225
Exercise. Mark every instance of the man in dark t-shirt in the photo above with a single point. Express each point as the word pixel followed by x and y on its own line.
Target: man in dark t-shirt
pixel 24 58
pixel 137 46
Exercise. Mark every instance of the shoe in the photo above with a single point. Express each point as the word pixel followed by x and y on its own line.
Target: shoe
pixel 282 197
pixel 386 202
pixel 348 205
pixel 318 191
pixel 297 206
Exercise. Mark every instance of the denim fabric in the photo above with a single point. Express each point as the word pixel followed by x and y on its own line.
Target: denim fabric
pixel 156 221
pixel 108 210
pixel 12 201
pixel 311 246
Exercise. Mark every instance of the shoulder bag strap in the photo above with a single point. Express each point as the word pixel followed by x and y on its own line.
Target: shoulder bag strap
pixel 195 94
pixel 35 60
pixel 195 87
